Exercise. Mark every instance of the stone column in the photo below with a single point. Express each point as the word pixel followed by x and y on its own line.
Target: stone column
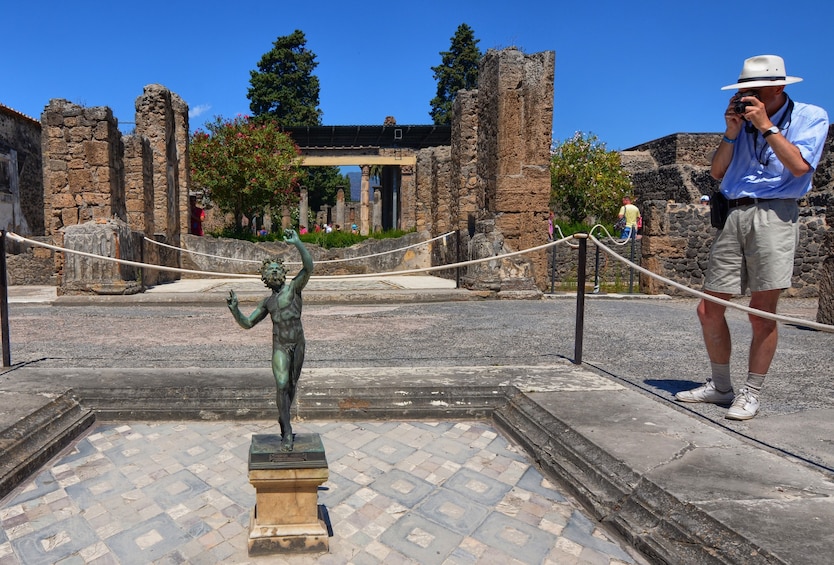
pixel 155 119
pixel 408 197
pixel 181 133
pixel 515 117
pixel 377 217
pixel 340 210
pixel 364 201
pixel 465 185
pixel 303 206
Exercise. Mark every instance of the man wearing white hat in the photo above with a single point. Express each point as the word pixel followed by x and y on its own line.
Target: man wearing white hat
pixel 765 162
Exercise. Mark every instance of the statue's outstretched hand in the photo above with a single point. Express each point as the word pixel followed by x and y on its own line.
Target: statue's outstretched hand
pixel 290 236
pixel 231 300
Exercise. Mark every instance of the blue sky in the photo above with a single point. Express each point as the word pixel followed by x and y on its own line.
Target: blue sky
pixel 628 72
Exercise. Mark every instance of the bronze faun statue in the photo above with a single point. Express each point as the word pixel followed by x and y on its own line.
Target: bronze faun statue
pixel 284 306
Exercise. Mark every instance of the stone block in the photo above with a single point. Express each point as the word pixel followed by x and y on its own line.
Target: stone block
pixel 80 180
pixel 63 200
pixel 97 153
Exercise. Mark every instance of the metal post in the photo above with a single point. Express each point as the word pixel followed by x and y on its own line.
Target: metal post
pixel 457 269
pixel 580 297
pixel 596 270
pixel 631 257
pixel 4 302
pixel 553 270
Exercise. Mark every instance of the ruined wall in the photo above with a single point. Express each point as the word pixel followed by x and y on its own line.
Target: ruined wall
pixel 156 120
pixel 515 118
pixel 675 167
pixel 21 173
pixel 83 166
pixel 139 197
pixel 465 185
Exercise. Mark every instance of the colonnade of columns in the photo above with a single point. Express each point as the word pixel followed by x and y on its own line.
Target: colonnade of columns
pixel 370 210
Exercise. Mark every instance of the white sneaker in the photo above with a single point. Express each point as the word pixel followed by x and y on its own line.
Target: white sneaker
pixel 744 407
pixel 705 393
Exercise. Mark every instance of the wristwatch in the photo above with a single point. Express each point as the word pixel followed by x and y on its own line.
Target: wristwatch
pixel 770 131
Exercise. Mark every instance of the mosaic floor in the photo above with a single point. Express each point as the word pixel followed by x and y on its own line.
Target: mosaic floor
pixel 398 492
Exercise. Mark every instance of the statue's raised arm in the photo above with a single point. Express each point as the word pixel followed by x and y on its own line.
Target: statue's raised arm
pixel 300 279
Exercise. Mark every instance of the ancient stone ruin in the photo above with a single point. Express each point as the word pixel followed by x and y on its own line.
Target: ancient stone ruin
pixel 490 185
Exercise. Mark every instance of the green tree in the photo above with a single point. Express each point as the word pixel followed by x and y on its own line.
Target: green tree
pixel 284 86
pixel 285 90
pixel 458 70
pixel 245 167
pixel 587 180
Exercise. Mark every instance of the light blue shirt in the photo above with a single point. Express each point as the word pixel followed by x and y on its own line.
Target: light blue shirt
pixel 756 172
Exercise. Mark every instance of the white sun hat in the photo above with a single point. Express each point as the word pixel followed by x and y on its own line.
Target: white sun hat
pixel 762 70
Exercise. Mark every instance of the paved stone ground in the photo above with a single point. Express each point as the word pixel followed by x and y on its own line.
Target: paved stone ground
pixel 398 492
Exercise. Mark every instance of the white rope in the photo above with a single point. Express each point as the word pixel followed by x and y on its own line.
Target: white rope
pixel 450 265
pixel 614 240
pixel 598 243
pixel 22 239
pixel 356 276
pixel 182 249
pixel 705 296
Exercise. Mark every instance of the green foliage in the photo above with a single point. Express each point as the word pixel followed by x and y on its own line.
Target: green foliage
pixel 285 91
pixel 586 180
pixel 458 70
pixel 337 239
pixel 332 240
pixel 284 86
pixel 245 167
pixel 322 185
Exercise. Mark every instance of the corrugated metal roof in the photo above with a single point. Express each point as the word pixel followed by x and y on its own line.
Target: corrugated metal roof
pixel 412 137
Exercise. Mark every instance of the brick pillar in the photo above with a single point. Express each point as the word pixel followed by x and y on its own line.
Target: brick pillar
pixel 515 118
pixel 155 119
pixel 408 197
pixel 465 185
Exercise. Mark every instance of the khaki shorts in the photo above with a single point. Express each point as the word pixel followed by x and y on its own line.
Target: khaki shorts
pixel 755 249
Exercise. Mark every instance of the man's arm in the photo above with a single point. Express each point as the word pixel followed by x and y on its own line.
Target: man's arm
pixel 723 156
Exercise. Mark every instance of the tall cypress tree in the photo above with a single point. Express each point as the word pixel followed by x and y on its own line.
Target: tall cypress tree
pixel 458 70
pixel 284 86
pixel 284 89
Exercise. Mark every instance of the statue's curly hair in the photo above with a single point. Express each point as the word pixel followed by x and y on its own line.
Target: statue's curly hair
pixel 276 261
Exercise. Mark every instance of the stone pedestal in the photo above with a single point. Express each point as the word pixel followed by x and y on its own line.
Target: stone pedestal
pixel 286 518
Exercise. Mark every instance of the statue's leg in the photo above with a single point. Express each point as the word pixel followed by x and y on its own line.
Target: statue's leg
pixel 280 370
pixel 295 372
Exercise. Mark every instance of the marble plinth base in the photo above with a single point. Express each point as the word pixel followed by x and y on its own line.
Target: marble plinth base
pixel 286 517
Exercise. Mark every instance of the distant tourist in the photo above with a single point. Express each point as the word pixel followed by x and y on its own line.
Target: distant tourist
pixel 198 216
pixel 632 217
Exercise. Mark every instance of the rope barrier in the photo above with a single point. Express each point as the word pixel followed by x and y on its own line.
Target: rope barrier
pixel 22 239
pixel 597 242
pixel 705 296
pixel 182 249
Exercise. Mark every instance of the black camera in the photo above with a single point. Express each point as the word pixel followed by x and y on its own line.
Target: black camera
pixel 740 107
